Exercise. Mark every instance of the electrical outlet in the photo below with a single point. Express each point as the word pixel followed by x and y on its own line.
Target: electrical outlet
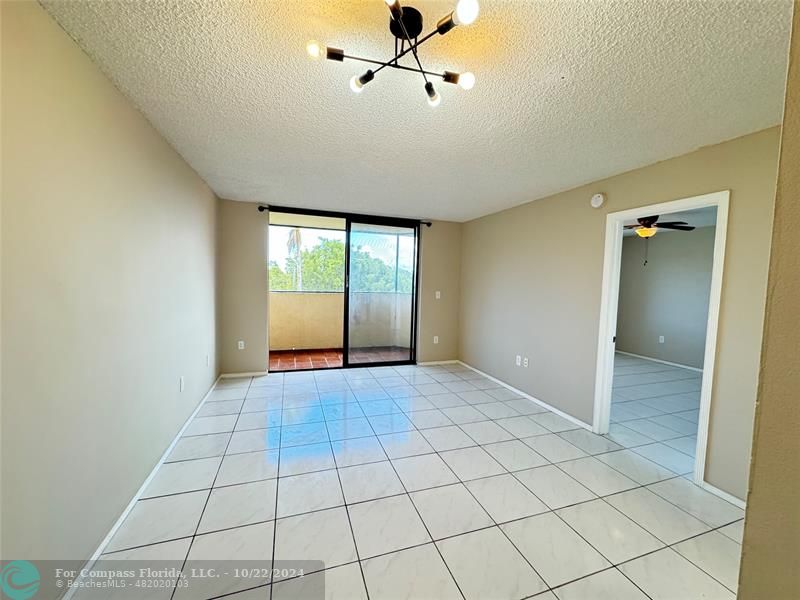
pixel 519 360
pixel 525 362
pixel 436 339
pixel 661 339
pixel 183 383
pixel 438 295
pixel 241 345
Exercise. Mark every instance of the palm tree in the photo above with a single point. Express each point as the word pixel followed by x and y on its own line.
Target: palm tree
pixel 293 245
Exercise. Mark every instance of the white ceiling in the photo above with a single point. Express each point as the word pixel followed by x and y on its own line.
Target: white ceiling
pixel 567 93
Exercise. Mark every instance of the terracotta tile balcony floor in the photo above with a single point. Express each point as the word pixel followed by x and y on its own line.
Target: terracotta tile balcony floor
pixel 292 360
pixel 331 358
pixel 378 354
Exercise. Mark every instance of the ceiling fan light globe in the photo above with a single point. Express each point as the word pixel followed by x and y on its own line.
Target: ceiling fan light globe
pixel 466 12
pixel 466 80
pixel 646 232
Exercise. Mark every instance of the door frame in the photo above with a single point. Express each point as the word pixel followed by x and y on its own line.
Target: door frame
pixel 609 301
pixel 349 218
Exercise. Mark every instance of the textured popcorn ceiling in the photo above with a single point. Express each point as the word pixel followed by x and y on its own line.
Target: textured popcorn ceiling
pixel 567 93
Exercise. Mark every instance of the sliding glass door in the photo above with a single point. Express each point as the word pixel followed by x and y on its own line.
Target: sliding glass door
pixel 381 292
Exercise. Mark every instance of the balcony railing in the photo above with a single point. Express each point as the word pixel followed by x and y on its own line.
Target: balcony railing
pixel 312 320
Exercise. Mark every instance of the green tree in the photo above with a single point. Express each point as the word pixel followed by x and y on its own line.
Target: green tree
pixel 323 266
pixel 369 274
pixel 322 269
pixel 278 279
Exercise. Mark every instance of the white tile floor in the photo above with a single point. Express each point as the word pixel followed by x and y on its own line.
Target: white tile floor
pixel 435 482
pixel 654 411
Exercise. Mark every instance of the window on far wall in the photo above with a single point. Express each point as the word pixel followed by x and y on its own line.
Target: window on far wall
pixel 305 259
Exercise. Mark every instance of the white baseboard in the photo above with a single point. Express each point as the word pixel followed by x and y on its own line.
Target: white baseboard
pixel 246 374
pixel 723 494
pixel 72 590
pixel 431 363
pixel 658 360
pixel 541 403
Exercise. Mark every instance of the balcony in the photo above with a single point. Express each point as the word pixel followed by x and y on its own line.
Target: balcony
pixel 306 328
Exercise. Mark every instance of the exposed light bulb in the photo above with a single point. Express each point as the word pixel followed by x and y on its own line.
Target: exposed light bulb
pixel 435 100
pixel 315 49
pixel 395 8
pixel 356 85
pixel 466 12
pixel 466 81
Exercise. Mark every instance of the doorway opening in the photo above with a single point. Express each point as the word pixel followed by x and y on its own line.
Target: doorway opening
pixel 658 330
pixel 343 290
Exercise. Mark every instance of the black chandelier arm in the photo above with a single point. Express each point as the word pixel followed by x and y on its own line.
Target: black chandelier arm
pixel 397 16
pixel 413 49
pixel 410 48
pixel 392 65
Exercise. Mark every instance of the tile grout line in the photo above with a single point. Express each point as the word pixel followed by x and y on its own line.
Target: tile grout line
pixel 458 425
pixel 579 483
pixel 344 500
pixel 503 531
pixel 208 497
pixel 416 510
pixel 553 511
pixel 499 525
pixel 277 495
pixel 459 481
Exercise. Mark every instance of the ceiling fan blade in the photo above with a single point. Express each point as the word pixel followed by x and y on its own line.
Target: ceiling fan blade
pixel 631 226
pixel 676 227
pixel 672 223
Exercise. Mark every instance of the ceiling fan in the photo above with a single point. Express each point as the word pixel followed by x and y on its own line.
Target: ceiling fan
pixel 648 226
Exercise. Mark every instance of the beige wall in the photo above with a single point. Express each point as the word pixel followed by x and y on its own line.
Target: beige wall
pixel 532 275
pixel 305 320
pixel 243 285
pixel 669 296
pixel 108 258
pixel 772 525
pixel 440 269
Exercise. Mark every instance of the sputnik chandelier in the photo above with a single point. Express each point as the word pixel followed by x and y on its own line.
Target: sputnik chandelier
pixel 406 26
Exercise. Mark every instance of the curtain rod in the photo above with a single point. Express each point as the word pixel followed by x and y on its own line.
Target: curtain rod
pixel 340 215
